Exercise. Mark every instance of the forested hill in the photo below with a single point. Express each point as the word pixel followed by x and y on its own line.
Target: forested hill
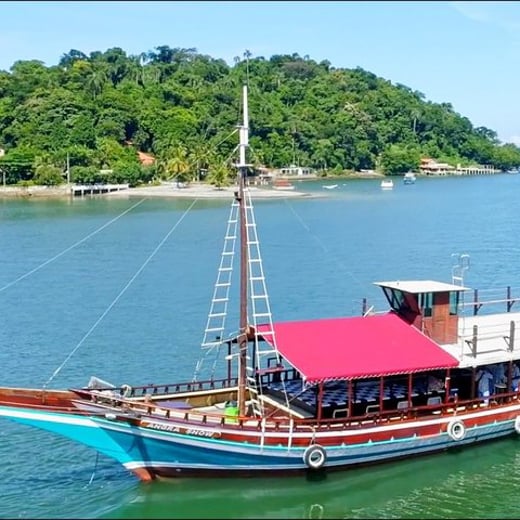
pixel 181 107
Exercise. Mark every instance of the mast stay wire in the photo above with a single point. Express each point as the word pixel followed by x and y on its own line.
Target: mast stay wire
pixel 118 297
pixel 55 257
pixel 323 246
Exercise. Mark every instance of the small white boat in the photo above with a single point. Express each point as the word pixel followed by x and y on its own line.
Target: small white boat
pixel 409 178
pixel 330 186
pixel 387 184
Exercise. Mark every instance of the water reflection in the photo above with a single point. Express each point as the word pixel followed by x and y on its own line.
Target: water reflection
pixel 481 482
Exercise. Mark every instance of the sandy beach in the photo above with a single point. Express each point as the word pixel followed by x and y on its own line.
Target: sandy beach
pixel 167 190
pixel 203 191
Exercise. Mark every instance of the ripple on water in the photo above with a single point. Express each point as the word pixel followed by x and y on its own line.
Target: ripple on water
pixel 320 259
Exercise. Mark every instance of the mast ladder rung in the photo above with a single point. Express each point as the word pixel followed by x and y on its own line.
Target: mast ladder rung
pixel 268 352
pixel 217 314
pixel 226 284
pixel 211 344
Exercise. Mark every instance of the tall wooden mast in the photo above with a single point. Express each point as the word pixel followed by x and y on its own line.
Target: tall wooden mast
pixel 242 175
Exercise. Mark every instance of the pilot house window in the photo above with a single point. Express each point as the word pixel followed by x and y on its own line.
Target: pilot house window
pixel 395 298
pixel 454 303
pixel 426 303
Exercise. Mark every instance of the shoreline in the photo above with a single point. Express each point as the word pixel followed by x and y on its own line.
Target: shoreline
pixel 170 190
pixel 204 191
pixel 165 190
pixel 193 190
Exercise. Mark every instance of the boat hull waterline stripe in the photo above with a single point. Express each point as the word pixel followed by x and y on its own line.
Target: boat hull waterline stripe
pixel 173 450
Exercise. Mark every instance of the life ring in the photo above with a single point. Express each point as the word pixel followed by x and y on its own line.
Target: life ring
pixel 315 456
pixel 126 390
pixel 517 424
pixel 456 429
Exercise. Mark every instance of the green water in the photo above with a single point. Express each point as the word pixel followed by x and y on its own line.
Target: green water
pixel 479 483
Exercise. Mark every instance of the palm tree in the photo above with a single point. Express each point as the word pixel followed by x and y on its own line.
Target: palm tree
pixel 416 113
pixel 200 156
pixel 178 165
pixel 96 81
pixel 219 175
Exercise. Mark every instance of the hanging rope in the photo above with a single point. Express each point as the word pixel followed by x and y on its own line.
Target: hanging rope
pixel 93 471
pixel 47 262
pixel 98 321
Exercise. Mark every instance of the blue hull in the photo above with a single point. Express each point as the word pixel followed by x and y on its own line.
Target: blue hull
pixel 169 454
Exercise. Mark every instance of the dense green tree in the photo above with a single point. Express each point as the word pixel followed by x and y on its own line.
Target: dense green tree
pixel 48 175
pixel 397 159
pixel 17 165
pixel 102 108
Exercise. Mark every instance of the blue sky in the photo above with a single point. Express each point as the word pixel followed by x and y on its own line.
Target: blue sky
pixel 463 53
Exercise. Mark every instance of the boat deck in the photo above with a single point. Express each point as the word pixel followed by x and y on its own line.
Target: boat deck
pixel 493 344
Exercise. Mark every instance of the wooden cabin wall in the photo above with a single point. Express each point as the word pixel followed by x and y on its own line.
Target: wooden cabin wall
pixel 443 326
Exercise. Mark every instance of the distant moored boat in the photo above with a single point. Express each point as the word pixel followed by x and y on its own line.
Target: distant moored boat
pixel 409 178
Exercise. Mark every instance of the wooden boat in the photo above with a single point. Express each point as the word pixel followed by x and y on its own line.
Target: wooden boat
pixel 282 184
pixel 303 396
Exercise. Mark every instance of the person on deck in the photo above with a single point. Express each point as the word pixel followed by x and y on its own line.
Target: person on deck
pixel 484 379
pixel 498 371
pixel 515 378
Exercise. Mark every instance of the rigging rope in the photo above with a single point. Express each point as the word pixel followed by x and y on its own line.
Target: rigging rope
pixel 322 245
pixel 93 471
pixel 116 299
pixel 70 247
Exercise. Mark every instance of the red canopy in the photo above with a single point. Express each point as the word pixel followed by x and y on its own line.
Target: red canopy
pixel 355 347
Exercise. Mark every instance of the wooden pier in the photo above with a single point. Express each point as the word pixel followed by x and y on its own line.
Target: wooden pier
pixel 80 190
pixel 476 170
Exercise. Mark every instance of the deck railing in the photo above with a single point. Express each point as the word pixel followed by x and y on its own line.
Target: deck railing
pixel 493 298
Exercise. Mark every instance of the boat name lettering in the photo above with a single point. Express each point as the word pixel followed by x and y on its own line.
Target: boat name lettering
pixel 177 429
pixel 202 433
pixel 166 427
